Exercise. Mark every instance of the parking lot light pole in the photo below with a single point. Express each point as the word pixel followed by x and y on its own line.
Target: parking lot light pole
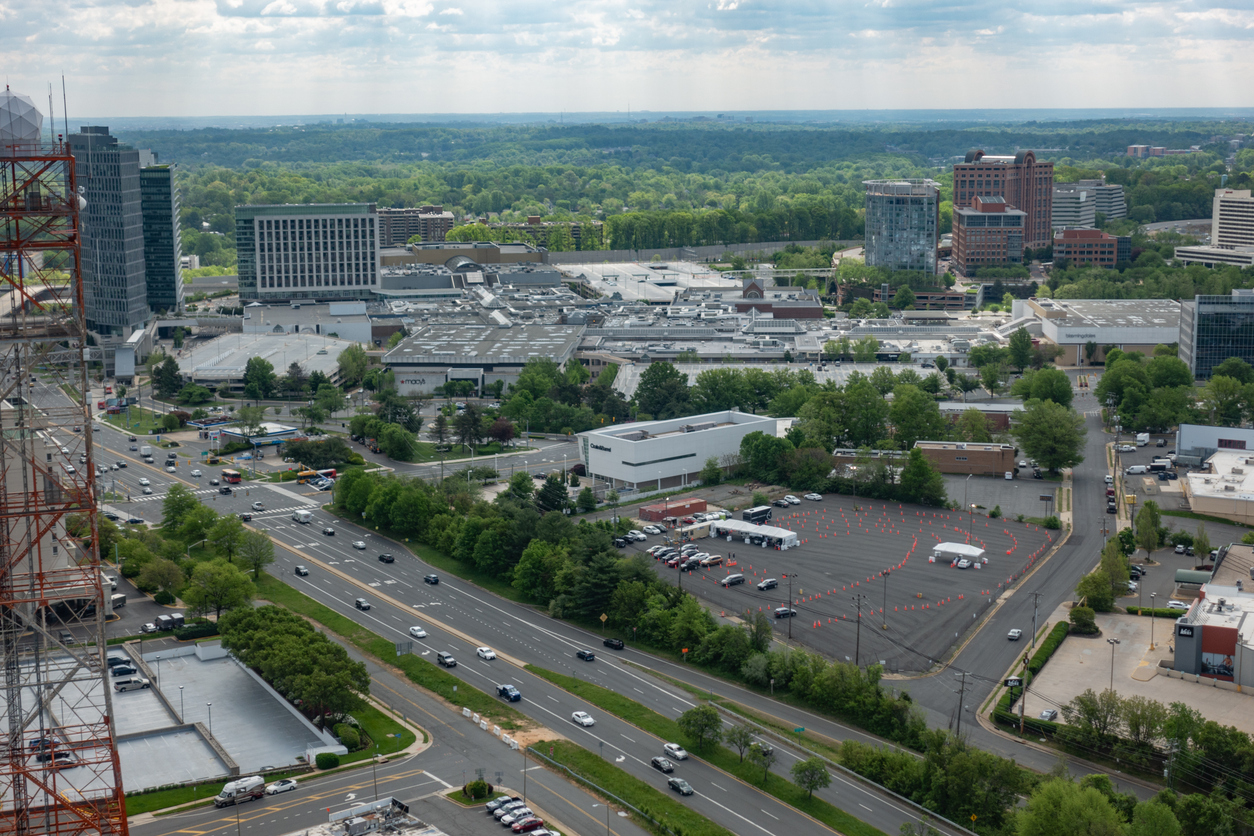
pixel 1153 595
pixel 789 606
pixel 1112 643
pixel 884 609
pixel 210 707
pixel 180 703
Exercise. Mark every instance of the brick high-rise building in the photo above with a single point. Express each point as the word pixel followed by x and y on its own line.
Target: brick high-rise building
pixel 988 234
pixel 1021 180
pixel 397 226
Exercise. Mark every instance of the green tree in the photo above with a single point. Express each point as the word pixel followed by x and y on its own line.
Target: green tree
pixel 1148 520
pixel 161 574
pixel 864 350
pixel 294 380
pixel 169 422
pixel 330 398
pixel 1236 368
pixel 1153 818
pixel 762 758
pixel 904 299
pixel 256 551
pixel 1061 808
pixel 1201 542
pixel 352 363
pixel 915 417
pixel 259 378
pixel 552 496
pixel 178 503
pixel 702 725
pixel 972 425
pixel 711 473
pixel 993 378
pixel 739 738
pixel 216 586
pixel 1020 347
pixel 439 429
pixel 227 535
pixel 1095 590
pixel 921 482
pixel 663 391
pixel 811 774
pixel 586 501
pixel 193 394
pixel 521 486
pixel 249 420
pixel 1051 434
pixel 166 379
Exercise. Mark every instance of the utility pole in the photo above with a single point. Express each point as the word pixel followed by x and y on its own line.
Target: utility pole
pixel 857 647
pixel 962 690
pixel 1036 600
pixel 1023 698
pixel 884 609
pixel 791 616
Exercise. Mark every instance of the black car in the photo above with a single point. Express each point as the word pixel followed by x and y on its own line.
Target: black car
pixel 302 571
pixel 620 542
pixel 134 448
pixel 132 438
pixel 662 764
pixel 121 465
pixel 679 785
pixel 246 517
pixel 123 670
pixel 614 644
pixel 171 456
pixel 109 515
pixel 434 580
pixel 134 520
pixel 386 558
pixel 586 655
pixel 225 489
pixel 329 531
pixel 779 503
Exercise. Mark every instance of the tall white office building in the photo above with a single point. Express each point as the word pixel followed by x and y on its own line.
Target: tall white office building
pixel 313 251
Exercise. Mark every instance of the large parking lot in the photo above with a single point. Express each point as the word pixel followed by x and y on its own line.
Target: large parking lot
pixel 852 547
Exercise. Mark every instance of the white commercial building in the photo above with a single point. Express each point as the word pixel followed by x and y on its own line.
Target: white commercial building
pixel 1075 207
pixel 1127 324
pixel 1231 232
pixel 656 455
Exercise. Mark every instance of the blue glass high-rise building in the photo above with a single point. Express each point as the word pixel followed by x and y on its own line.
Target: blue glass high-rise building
pixel 163 251
pixel 1214 328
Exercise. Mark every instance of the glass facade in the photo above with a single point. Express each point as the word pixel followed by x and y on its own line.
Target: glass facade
pixel 902 224
pixel 1214 328
pixel 163 251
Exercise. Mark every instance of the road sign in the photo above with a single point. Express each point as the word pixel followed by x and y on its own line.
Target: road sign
pixel 799 729
pixel 1046 497
pixel 1013 682
pixel 604 618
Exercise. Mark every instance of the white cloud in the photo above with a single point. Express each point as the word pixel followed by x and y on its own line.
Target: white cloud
pixel 136 57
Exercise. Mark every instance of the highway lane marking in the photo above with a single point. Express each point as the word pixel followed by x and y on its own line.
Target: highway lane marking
pixel 772 816
pixel 716 785
pixel 625 737
pixel 864 807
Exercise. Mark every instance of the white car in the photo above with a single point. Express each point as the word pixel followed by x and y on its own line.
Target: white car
pixel 637 535
pixel 144 482
pixel 417 632
pixel 359 545
pixel 485 653
pixel 257 506
pixel 169 468
pixel 1015 635
pixel 1177 605
pixel 285 785
pixel 814 497
pixel 651 529
pixel 196 473
pixel 1131 587
pixel 792 500
pixel 1180 548
pixel 675 752
pixel 583 718
pixel 1127 448
pixel 964 564
pixel 1110 480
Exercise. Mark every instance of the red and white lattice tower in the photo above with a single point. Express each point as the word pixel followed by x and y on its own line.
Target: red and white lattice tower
pixel 59 770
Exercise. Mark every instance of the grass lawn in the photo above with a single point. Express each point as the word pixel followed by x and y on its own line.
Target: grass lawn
pixel 719 756
pixel 425 451
pixel 418 670
pixel 142 421
pixel 668 811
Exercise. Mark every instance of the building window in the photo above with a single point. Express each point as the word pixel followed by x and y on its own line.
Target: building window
pixel 1231 444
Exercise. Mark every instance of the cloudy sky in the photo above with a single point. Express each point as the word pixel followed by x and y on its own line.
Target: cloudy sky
pixel 215 57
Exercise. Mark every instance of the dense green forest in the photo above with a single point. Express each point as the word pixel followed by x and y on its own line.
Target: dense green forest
pixel 656 185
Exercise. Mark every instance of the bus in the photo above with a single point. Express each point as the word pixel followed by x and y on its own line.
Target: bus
pixel 232 477
pixel 329 473
pixel 305 475
pixel 758 515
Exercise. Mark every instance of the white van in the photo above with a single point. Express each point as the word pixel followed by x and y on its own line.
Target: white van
pixel 1136 470
pixel 305 517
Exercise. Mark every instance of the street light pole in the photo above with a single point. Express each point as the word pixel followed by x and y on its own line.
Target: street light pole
pixel 857 647
pixel 181 704
pixel 884 609
pixel 1112 643
pixel 789 607
pixel 965 485
pixel 1153 595
pixel 210 706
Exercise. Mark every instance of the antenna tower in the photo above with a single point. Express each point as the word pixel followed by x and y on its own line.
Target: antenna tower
pixel 59 771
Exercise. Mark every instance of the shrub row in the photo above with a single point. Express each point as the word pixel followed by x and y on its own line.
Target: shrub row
pixel 196 630
pixel 1160 612
pixel 1048 647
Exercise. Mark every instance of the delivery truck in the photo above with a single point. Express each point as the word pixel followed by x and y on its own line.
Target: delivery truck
pixel 304 517
pixel 145 450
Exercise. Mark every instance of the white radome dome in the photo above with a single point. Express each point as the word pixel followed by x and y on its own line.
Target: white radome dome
pixel 21 123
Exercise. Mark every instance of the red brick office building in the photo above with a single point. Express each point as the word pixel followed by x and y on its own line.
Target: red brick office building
pixel 1024 183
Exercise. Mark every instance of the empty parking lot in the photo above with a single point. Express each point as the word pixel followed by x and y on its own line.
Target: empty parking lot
pixel 870 556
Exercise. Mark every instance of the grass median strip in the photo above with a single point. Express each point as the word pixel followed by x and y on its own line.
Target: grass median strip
pixel 418 670
pixel 667 812
pixel 719 756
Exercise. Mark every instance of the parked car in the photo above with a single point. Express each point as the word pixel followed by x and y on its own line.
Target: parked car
pixel 1050 714
pixel 496 803
pixel 527 825
pixel 792 500
pixel 1177 605
pixel 1180 548
pixel 814 497
pixel 780 503
pixel 964 564
pixel 651 529
pixel 583 718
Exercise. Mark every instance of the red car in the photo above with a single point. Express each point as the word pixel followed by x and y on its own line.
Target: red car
pixel 689 520
pixel 527 825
